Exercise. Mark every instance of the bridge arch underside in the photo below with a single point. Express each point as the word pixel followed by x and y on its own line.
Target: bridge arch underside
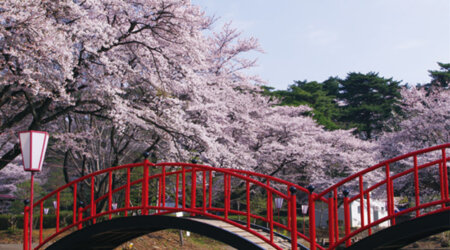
pixel 113 233
pixel 405 233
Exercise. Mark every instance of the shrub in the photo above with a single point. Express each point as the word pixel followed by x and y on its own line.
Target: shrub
pixel 8 221
pixel 4 221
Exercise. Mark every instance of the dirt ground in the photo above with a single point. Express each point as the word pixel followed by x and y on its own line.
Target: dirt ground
pixel 170 239
pixel 167 239
pixel 439 241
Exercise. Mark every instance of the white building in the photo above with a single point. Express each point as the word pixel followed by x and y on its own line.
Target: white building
pixel 378 210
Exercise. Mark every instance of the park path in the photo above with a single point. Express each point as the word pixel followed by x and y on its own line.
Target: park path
pixel 13 246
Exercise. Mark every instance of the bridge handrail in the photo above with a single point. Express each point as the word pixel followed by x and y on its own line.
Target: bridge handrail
pixel 396 176
pixel 251 178
pixel 187 168
pixel 381 164
pixel 386 218
pixel 140 164
pixel 363 193
pixel 131 165
pixel 155 176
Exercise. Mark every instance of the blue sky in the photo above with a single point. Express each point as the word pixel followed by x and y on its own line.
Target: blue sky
pixel 315 39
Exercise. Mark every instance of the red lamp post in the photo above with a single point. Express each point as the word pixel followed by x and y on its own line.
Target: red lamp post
pixel 33 145
pixel 304 212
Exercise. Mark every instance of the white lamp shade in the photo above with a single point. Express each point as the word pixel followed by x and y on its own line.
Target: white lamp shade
pixel 33 145
pixel 278 203
pixel 114 206
pixel 304 209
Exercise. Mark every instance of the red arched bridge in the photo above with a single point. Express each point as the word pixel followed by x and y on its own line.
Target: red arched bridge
pixel 140 198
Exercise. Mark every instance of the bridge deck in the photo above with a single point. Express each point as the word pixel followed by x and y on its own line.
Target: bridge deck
pixel 281 242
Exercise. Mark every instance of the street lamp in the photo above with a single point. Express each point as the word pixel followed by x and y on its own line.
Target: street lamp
pixel 278 205
pixel 180 214
pixel 304 211
pixel 33 145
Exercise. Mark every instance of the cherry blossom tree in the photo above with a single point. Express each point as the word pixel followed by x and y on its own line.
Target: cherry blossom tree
pixel 293 147
pixel 250 131
pixel 427 121
pixel 112 79
pixel 84 69
pixel 117 60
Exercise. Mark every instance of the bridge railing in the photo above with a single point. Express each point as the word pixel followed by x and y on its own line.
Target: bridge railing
pixel 411 174
pixel 145 188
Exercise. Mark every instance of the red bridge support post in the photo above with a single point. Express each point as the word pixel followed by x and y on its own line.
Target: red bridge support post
pixel 390 194
pixel 80 218
pixel 312 218
pixel 444 164
pixel 293 217
pixel 347 217
pixel 58 205
pixel 193 189
pixel 331 219
pixel 144 192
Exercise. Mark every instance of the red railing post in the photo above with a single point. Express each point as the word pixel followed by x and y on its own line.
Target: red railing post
pixel 390 194
pixel 74 214
pixel 416 185
pixel 444 163
pixel 210 189
pixel 247 192
pixel 268 203
pixel 176 190
pixel 57 211
pixel 331 219
pixel 270 213
pixel 127 192
pixel 92 199
pixel 289 208
pixel 193 189
pixel 25 227
pixel 347 218
pixel 229 192
pixel 109 193
pixel 442 182
pixel 160 188
pixel 312 218
pixel 204 190
pixel 361 199
pixel 144 210
pixel 163 176
pixel 336 215
pixel 293 217
pixel 183 185
pixel 225 193
pixel 80 218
